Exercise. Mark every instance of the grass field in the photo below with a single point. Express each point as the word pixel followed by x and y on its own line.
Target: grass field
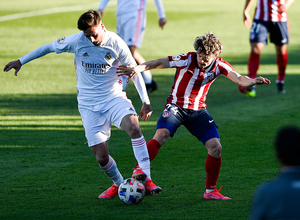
pixel 46 170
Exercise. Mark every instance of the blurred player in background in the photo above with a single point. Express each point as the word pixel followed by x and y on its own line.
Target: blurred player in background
pixel 195 72
pixel 280 198
pixel 101 101
pixel 270 19
pixel 131 25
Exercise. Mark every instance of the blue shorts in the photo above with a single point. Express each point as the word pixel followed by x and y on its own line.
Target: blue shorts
pixel 199 123
pixel 278 31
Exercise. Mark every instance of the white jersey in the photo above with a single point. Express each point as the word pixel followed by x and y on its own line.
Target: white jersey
pixel 97 80
pixel 129 6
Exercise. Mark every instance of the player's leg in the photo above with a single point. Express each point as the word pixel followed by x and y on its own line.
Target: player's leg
pixel 282 60
pixel 258 37
pixel 212 167
pixel 279 35
pixel 202 125
pixel 130 124
pixel 109 166
pixel 98 142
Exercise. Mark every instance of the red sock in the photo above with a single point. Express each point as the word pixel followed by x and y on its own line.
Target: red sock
pixel 253 64
pixel 153 147
pixel 282 60
pixel 212 167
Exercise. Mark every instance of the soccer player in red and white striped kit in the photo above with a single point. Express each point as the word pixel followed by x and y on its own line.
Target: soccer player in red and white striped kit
pixel 195 72
pixel 270 18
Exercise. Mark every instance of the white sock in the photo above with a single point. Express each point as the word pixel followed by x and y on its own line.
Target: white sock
pixel 141 154
pixel 112 171
pixel 147 76
pixel 209 190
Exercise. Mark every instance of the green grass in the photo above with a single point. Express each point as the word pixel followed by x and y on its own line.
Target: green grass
pixel 46 170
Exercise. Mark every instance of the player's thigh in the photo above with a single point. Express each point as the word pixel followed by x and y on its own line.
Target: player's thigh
pixel 171 118
pixel 202 125
pixel 131 28
pixel 96 126
pixel 118 109
pixel 259 32
pixel 279 34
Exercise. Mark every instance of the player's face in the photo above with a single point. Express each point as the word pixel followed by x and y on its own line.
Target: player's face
pixel 204 61
pixel 95 34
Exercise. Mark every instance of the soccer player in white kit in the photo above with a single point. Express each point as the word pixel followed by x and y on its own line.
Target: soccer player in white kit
pixel 101 101
pixel 131 26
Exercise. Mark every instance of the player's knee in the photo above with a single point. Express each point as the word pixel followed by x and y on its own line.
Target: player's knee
pixel 134 131
pixel 162 135
pixel 214 147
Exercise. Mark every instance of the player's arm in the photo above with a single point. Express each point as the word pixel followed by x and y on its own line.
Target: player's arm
pixel 102 6
pixel 245 80
pixel 161 13
pixel 139 84
pixel 247 18
pixel 39 52
pixel 284 7
pixel 130 71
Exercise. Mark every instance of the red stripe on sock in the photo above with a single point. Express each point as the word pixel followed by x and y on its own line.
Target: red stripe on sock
pixel 282 60
pixel 253 64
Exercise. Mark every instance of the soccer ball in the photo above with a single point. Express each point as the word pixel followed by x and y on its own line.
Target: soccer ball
pixel 131 191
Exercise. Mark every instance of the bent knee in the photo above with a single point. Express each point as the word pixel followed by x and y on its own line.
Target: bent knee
pixel 214 147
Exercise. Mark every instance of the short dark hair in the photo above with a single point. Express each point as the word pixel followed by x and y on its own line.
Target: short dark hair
pixel 287 145
pixel 89 19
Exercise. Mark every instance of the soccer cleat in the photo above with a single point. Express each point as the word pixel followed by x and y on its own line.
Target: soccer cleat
pixel 280 89
pixel 151 188
pixel 249 91
pixel 138 174
pixel 151 87
pixel 110 193
pixel 215 195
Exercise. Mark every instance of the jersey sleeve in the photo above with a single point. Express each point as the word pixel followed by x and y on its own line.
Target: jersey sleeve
pixel 160 9
pixel 102 4
pixel 179 60
pixel 66 44
pixel 224 67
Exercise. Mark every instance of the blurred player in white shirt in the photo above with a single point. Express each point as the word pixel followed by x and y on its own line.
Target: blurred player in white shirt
pixel 131 25
pixel 101 101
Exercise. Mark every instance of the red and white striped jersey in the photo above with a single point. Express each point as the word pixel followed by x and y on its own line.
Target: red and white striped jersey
pixel 267 10
pixel 191 84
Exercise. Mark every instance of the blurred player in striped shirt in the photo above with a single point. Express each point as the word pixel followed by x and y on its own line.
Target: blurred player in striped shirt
pixel 195 72
pixel 270 18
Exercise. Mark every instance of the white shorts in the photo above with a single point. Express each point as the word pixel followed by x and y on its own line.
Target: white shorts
pixel 97 119
pixel 131 27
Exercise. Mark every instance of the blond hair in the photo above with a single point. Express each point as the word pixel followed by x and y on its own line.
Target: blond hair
pixel 209 43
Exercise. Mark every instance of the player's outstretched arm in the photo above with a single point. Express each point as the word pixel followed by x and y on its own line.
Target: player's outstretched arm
pixel 130 71
pixel 246 81
pixel 13 65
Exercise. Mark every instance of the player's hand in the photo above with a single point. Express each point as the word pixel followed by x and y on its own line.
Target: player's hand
pixel 247 20
pixel 146 111
pixel 282 9
pixel 162 22
pixel 261 80
pixel 100 13
pixel 126 70
pixel 13 65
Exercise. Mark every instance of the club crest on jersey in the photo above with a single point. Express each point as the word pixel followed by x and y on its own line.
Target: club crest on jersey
pixel 61 40
pixel 108 56
pixel 166 114
pixel 177 57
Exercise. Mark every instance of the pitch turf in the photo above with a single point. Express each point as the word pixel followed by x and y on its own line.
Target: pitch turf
pixel 46 171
